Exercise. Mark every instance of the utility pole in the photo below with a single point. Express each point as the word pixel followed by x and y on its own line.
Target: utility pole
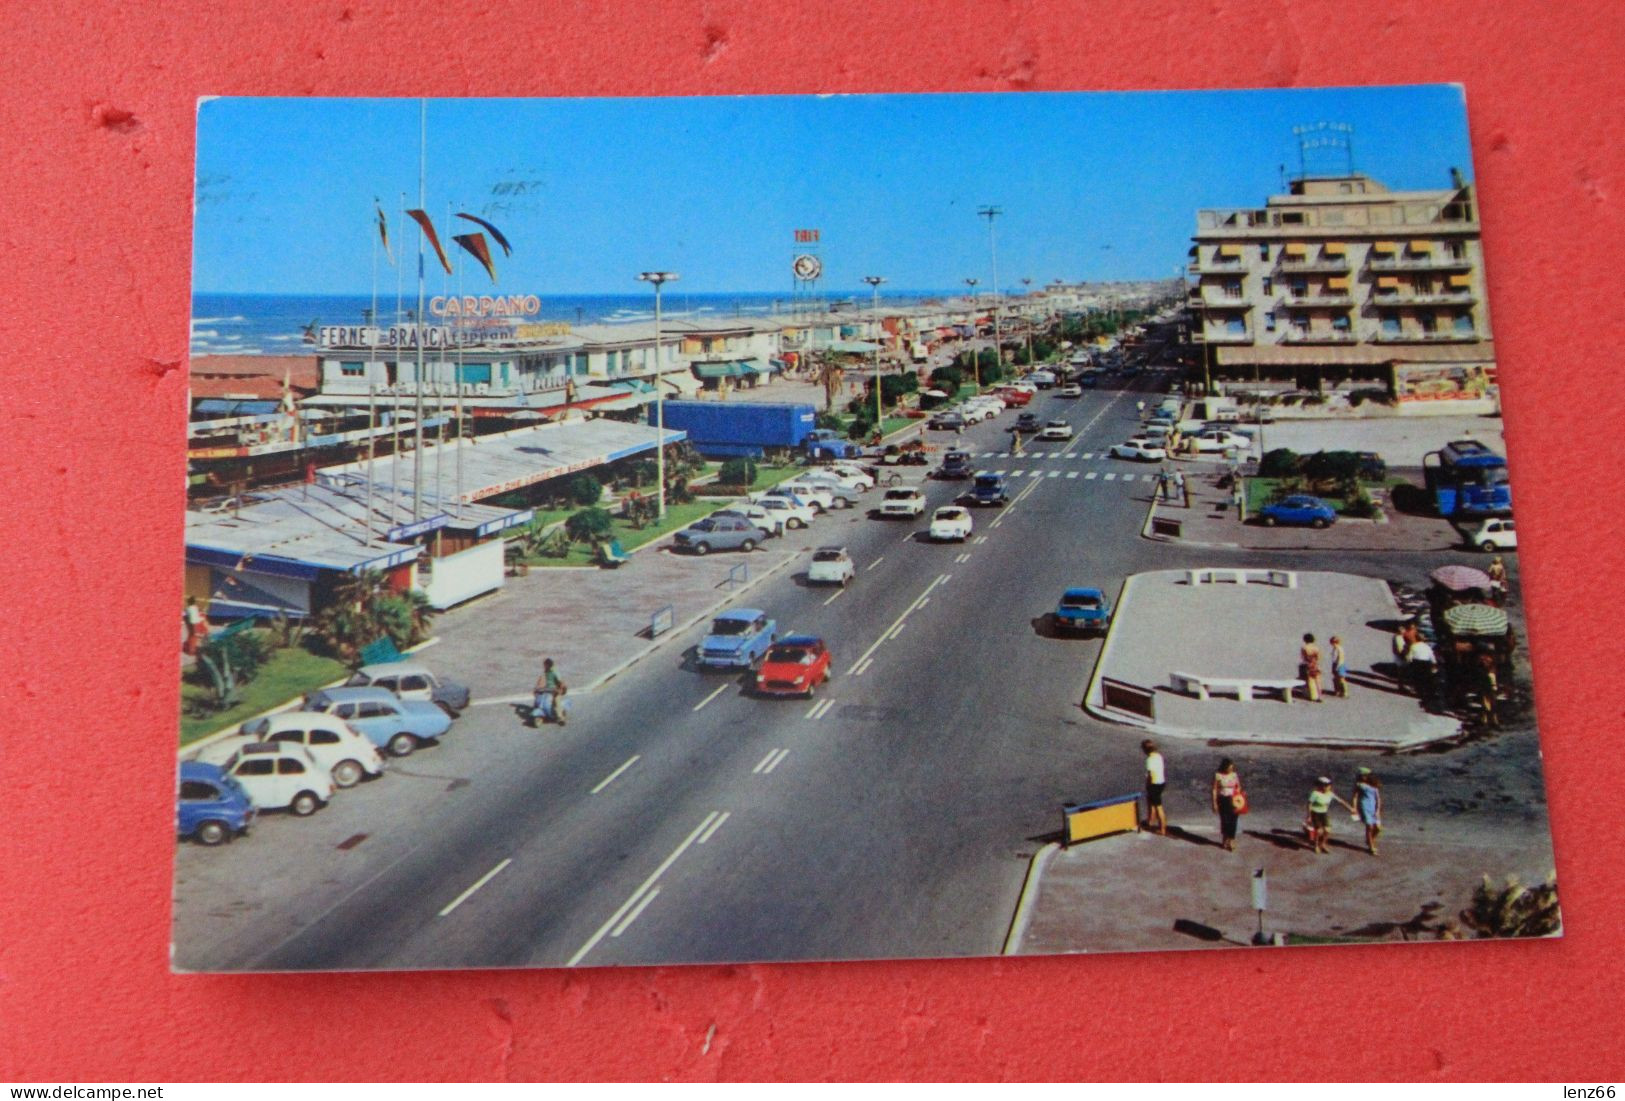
pixel 1026 284
pixel 975 361
pixel 990 213
pixel 874 282
pixel 658 278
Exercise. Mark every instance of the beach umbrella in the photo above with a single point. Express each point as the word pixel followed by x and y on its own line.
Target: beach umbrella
pixel 1475 619
pixel 1461 578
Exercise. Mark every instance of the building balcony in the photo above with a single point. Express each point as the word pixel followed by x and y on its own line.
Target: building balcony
pixel 1318 336
pixel 1225 302
pixel 1420 263
pixel 1442 298
pixel 1305 301
pixel 1223 336
pixel 1297 267
pixel 1439 336
pixel 1221 267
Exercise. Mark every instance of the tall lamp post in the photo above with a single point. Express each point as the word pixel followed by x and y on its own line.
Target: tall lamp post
pixel 658 278
pixel 874 282
pixel 990 213
pixel 976 363
pixel 1026 289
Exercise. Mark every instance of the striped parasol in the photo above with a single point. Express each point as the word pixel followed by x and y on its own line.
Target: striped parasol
pixel 1475 619
pixel 1461 578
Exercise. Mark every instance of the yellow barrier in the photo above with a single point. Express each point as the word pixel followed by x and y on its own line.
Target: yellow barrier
pixel 1087 821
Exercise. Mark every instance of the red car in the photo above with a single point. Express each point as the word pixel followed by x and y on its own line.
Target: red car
pixel 793 666
pixel 1014 398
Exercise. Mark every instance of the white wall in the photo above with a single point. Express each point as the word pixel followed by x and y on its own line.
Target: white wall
pixel 466 574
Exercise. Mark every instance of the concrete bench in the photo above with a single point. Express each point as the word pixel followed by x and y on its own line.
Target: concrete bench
pixel 1243 688
pixel 1286 579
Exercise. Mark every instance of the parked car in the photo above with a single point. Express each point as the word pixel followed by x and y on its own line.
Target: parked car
pixel 988 489
pixel 790 513
pixel 1082 609
pixel 974 414
pixel 769 521
pixel 334 744
pixel 388 722
pixel 1140 450
pixel 411 681
pixel 1073 389
pixel 1056 430
pixel 1021 386
pixel 822 492
pixel 1211 440
pixel 279 775
pixel 859 477
pixel 955 466
pixel 1027 422
pixel 991 399
pixel 831 566
pixel 1494 534
pixel 1013 397
pixel 948 422
pixel 855 481
pixel 1299 509
pixel 794 666
pixel 950 523
pixel 736 639
pixel 719 533
pixel 903 501
pixel 1090 380
pixel 1044 380
pixel 211 807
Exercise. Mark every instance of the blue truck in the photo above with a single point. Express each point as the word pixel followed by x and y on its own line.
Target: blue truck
pixel 1468 480
pixel 731 429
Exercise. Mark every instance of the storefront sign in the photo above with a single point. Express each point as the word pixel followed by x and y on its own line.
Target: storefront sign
pixel 406 336
pixel 485 305
pixel 1432 383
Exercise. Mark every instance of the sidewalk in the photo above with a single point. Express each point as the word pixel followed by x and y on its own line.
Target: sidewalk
pixel 1210 521
pixel 593 622
pixel 1164 625
pixel 1141 892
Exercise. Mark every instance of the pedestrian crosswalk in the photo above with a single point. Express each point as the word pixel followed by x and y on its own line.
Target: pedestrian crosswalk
pixel 1091 475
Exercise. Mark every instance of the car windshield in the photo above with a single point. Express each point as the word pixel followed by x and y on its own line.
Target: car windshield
pixel 900 494
pixel 1080 600
pixel 703 525
pixel 988 481
pixel 729 626
pixel 828 556
pixel 950 513
pixel 790 655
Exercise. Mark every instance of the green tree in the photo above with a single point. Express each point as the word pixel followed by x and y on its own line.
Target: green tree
pixel 738 472
pixel 229 663
pixel 403 617
pixel 586 490
pixel 590 526
pixel 1279 463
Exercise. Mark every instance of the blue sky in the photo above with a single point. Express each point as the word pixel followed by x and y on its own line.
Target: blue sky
pixel 592 191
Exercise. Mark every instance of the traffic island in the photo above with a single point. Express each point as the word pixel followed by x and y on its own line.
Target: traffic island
pixel 1212 653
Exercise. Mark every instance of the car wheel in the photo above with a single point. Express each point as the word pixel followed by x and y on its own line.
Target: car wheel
pixel 347 774
pixel 842 502
pixel 797 522
pixel 748 545
pixel 1319 522
pixel 305 804
pixel 1268 520
pixel 212 833
pixel 702 548
pixel 403 744
pixel 1487 546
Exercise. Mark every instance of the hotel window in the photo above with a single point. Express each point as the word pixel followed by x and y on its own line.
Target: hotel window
pixel 1340 323
pixel 1427 322
pixel 1300 327
pixel 1269 285
pixel 1232 288
pixel 581 363
pixel 1299 288
pixel 1390 324
pixel 1457 250
pixel 353 370
pixel 1235 327
pixel 1264 252
pixel 1464 322
pixel 1269 322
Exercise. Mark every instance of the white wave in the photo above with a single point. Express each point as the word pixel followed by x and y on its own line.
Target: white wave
pixel 204 334
pixel 217 320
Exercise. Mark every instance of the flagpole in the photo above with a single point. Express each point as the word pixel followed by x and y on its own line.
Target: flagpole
pixel 395 420
pixel 440 406
pixel 417 321
pixel 372 341
pixel 459 388
pixel 371 423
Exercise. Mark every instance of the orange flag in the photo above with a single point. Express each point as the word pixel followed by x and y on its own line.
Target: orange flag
pixel 477 248
pixel 422 219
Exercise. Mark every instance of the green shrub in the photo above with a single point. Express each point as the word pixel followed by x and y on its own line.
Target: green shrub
pixel 586 490
pixel 860 428
pixel 590 525
pixel 1280 463
pixel 1358 504
pixel 829 420
pixel 737 472
pixel 948 378
pixel 1327 466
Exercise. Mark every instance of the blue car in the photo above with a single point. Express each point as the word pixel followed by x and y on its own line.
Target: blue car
pixel 212 807
pixel 1083 610
pixel 384 719
pixel 1299 510
pixel 988 489
pixel 737 639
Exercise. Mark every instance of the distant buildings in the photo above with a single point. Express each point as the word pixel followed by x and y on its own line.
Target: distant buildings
pixel 1341 279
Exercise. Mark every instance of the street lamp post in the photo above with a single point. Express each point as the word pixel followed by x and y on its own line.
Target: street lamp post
pixel 990 213
pixel 975 362
pixel 658 278
pixel 1026 285
pixel 874 282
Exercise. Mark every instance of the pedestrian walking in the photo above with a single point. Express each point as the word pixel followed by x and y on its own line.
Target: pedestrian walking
pixel 1368 804
pixel 1309 668
pixel 1498 580
pixel 1340 669
pixel 1487 686
pixel 1319 824
pixel 1420 671
pixel 1229 802
pixel 549 695
pixel 194 627
pixel 1179 488
pixel 1156 779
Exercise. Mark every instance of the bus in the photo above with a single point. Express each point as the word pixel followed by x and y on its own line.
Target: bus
pixel 1467 479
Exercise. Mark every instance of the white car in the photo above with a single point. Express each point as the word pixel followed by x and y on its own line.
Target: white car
pixel 1494 534
pixel 1056 430
pixel 280 774
pixel 1141 450
pixel 858 476
pixel 820 497
pixel 1221 441
pixel 1021 384
pixel 788 513
pixel 992 401
pixel 856 482
pixel 973 413
pixel 1070 390
pixel 768 521
pixel 333 743
pixel 816 490
pixel 903 501
pixel 831 566
pixel 950 523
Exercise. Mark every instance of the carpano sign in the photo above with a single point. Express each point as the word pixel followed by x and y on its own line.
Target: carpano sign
pixel 485 305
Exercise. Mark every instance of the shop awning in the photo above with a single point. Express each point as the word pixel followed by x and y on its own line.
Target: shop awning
pixel 1338 283
pixel 854 347
pixel 1421 246
pixel 226 407
pixel 1294 248
pixel 1335 248
pixel 1388 282
pixel 1461 280
pixel 1385 246
pixel 723 370
pixel 1232 250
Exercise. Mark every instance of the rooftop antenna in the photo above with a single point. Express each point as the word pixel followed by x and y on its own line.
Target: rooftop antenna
pixel 1331 136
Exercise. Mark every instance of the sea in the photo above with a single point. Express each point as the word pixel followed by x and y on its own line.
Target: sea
pixel 277 324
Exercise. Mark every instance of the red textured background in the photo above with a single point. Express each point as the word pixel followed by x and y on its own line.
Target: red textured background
pixel 97 147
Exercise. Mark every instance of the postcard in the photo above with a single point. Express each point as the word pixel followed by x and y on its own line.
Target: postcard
pixel 709 530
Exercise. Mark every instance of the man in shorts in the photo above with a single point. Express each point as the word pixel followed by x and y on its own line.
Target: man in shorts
pixel 1320 813
pixel 1156 778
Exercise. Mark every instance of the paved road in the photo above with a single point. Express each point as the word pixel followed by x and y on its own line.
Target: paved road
pixel 679 819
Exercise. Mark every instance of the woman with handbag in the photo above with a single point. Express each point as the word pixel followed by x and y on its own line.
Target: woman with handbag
pixel 1229 802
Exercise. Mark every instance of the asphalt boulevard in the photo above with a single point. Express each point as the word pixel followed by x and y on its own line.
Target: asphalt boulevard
pixel 892 808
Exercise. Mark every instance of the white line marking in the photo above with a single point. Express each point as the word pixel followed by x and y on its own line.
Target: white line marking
pixel 1093 474
pixel 834 596
pixel 963 558
pixel 897 630
pixel 478 883
pixel 981 538
pixel 1087 455
pixel 896 623
pixel 638 909
pixel 1110 475
pixel 715 826
pixel 521 697
pixel 763 762
pixel 615 918
pixel 862 666
pixel 721 688
pixel 1071 474
pixel 1000 473
pixel 875 563
pixel 1055 474
pixel 610 779
pixel 816 711
pixel 777 761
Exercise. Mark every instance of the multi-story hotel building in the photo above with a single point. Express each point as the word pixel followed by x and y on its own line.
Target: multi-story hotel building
pixel 1343 279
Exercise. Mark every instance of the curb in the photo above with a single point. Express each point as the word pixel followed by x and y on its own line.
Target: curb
pixel 1105 649
pixel 685 625
pixel 228 731
pixel 1029 891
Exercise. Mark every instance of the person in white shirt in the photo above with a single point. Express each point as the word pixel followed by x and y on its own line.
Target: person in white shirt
pixel 1156 778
